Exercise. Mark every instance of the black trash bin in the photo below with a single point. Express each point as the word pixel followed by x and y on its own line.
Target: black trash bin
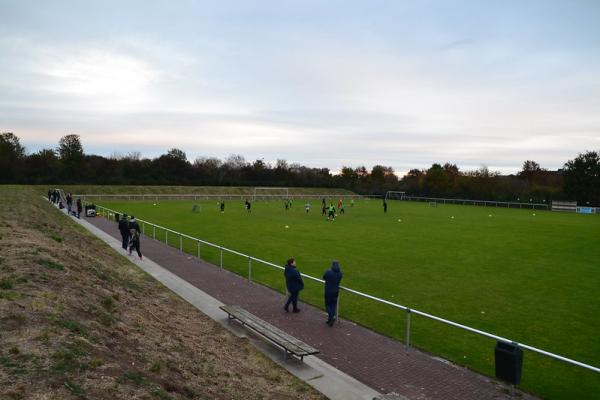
pixel 509 362
pixel 117 217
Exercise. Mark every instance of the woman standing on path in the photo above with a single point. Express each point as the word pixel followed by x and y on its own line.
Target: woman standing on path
pixel 294 284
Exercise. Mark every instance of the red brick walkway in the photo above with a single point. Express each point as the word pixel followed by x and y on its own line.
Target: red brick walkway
pixel 384 364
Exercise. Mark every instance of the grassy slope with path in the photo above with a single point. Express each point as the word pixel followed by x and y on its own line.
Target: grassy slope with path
pixel 77 320
pixel 533 279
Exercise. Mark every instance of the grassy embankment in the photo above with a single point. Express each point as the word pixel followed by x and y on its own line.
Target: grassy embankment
pixel 77 320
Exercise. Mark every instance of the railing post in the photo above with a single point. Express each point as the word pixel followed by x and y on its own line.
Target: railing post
pixel 180 242
pixel 153 232
pixel 198 249
pixel 250 269
pixel 337 308
pixel 221 257
pixel 166 237
pixel 143 228
pixel 408 326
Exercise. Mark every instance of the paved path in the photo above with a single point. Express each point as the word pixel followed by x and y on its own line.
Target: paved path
pixel 382 363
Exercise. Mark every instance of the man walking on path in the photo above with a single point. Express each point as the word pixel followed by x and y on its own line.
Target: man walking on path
pixel 124 229
pixel 294 284
pixel 134 242
pixel 69 203
pixel 332 278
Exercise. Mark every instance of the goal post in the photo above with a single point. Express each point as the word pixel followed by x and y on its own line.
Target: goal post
pixel 268 193
pixel 393 195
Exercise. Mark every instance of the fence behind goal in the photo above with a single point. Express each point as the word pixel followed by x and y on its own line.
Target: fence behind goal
pixel 484 203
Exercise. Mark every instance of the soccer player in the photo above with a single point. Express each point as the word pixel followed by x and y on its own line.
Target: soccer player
pixel 307 207
pixel 222 206
pixel 323 210
pixel 384 206
pixel 331 213
pixel 248 206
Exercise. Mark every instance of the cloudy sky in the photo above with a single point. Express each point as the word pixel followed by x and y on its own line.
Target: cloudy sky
pixel 322 83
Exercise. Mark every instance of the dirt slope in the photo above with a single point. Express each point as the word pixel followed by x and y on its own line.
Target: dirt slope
pixel 77 320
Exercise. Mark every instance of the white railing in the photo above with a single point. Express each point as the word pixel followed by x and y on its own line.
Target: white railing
pixel 408 310
pixel 158 197
pixel 508 204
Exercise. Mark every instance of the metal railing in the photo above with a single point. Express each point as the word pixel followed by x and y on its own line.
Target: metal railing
pixel 508 204
pixel 157 197
pixel 408 310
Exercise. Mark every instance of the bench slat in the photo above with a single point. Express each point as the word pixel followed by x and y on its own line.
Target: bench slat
pixel 271 332
pixel 283 339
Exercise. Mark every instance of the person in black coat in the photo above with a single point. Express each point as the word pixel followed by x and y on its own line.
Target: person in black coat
pixel 332 278
pixel 79 208
pixel 124 230
pixel 294 284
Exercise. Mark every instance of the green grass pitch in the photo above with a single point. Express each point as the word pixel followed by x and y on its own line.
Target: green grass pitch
pixel 531 276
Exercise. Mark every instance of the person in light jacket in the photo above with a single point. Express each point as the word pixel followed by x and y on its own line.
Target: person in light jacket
pixel 294 284
pixel 332 278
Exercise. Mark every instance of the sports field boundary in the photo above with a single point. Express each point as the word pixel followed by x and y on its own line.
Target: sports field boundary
pixel 378 361
pixel 107 213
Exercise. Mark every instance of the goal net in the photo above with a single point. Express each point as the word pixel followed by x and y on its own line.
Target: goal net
pixel 394 195
pixel 270 193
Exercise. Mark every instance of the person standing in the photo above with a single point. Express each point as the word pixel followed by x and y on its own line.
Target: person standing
pixel 248 206
pixel 384 206
pixel 134 242
pixel 222 206
pixel 124 230
pixel 294 284
pixel 307 207
pixel 49 195
pixel 79 208
pixel 69 203
pixel 332 278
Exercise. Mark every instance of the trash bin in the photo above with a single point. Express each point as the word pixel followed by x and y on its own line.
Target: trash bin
pixel 509 362
pixel 117 217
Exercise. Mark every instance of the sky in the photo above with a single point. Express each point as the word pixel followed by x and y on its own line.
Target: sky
pixel 321 83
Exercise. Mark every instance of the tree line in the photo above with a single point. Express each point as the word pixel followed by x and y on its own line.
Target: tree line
pixel 579 179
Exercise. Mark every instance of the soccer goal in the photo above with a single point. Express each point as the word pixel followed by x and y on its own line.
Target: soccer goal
pixel 270 193
pixel 394 195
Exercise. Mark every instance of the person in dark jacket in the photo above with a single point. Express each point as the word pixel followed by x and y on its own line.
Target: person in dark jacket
pixel 79 208
pixel 134 242
pixel 49 195
pixel 124 229
pixel 332 278
pixel 133 224
pixel 69 203
pixel 294 284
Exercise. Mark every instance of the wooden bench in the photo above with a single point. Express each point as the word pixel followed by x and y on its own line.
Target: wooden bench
pixel 290 344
